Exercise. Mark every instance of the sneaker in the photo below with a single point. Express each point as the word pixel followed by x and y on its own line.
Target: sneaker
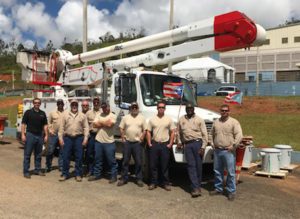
pixel 231 196
pixel 152 186
pixel 78 178
pixel 27 176
pixel 93 178
pixel 215 192
pixel 62 178
pixel 196 193
pixel 121 183
pixel 167 188
pixel 112 180
pixel 140 183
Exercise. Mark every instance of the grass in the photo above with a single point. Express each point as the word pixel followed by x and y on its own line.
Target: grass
pixel 271 129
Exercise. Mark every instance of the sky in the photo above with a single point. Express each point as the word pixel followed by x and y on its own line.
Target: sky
pixel 39 21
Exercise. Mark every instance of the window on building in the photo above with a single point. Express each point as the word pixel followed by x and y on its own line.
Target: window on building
pixel 284 40
pixel 266 42
pixel 297 39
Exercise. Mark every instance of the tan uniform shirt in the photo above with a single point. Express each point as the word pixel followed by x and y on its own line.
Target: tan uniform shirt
pixel 73 124
pixel 133 127
pixel 54 121
pixel 161 128
pixel 192 129
pixel 91 115
pixel 106 134
pixel 226 133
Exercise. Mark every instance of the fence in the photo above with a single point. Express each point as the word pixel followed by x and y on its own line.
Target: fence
pixel 291 88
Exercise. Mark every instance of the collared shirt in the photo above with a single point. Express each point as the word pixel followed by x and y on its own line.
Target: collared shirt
pixel 35 121
pixel 226 133
pixel 133 127
pixel 106 134
pixel 54 121
pixel 191 129
pixel 73 125
pixel 160 128
pixel 91 115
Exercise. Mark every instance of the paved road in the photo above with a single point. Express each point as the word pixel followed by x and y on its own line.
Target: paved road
pixel 45 197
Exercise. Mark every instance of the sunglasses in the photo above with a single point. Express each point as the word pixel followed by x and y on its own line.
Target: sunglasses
pixel 134 107
pixel 224 111
pixel 84 105
pixel 36 102
pixel 161 107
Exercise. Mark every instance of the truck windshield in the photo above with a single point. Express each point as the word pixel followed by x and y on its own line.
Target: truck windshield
pixel 166 87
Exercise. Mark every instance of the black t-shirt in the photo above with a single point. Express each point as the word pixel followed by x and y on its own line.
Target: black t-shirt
pixel 35 121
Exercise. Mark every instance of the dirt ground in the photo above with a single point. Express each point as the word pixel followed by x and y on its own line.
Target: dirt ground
pixel 46 197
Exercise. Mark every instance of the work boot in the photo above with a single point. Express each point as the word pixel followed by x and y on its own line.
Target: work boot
pixel 93 178
pixel 122 183
pixel 152 186
pixel 78 178
pixel 231 197
pixel 112 180
pixel 167 188
pixel 215 192
pixel 62 178
pixel 140 183
pixel 27 175
pixel 195 193
pixel 40 173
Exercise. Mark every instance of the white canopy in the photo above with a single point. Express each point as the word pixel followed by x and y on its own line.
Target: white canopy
pixel 199 63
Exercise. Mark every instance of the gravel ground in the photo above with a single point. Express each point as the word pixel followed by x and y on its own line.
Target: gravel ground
pixel 46 197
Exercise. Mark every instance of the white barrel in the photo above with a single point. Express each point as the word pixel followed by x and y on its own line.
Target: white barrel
pixel 270 160
pixel 286 154
pixel 247 156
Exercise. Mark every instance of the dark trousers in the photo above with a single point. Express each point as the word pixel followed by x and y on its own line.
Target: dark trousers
pixel 52 143
pixel 159 162
pixel 90 154
pixel 72 144
pixel 194 163
pixel 134 149
pixel 108 150
pixel 33 143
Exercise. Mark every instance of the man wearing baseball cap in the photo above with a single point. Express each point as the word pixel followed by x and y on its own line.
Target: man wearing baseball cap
pixel 73 135
pixel 53 125
pixel 133 131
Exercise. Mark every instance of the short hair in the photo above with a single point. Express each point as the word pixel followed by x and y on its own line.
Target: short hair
pixel 161 102
pixel 36 98
pixel 225 106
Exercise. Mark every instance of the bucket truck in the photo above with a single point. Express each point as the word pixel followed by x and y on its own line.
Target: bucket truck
pixel 121 82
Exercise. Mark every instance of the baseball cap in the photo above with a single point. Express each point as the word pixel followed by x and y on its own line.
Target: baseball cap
pixel 59 101
pixel 74 101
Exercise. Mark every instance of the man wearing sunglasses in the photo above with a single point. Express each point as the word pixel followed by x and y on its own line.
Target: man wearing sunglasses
pixel 90 151
pixel 227 134
pixel 53 125
pixel 160 138
pixel 192 135
pixel 73 135
pixel 35 123
pixel 133 130
pixel 85 106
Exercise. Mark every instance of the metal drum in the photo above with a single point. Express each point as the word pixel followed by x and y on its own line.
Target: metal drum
pixel 270 160
pixel 247 156
pixel 286 154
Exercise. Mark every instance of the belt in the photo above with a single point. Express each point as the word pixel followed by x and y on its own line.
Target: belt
pixel 74 136
pixel 93 133
pixel 160 142
pixel 133 142
pixel 192 141
pixel 222 149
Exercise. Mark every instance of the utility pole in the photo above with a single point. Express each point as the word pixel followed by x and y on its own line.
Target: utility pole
pixel 171 24
pixel 13 79
pixel 84 31
pixel 257 71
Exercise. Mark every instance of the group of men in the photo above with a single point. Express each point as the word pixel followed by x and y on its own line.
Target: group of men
pixel 94 130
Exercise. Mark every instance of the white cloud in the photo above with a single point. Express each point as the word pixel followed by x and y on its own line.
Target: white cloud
pixel 33 18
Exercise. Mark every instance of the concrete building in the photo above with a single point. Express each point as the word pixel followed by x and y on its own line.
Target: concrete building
pixel 277 60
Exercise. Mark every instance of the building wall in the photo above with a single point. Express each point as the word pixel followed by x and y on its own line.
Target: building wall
pixel 280 54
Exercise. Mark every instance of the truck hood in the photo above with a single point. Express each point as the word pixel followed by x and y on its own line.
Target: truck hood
pixel 172 111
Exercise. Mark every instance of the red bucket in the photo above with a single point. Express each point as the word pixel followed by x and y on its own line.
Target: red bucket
pixel 3 118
